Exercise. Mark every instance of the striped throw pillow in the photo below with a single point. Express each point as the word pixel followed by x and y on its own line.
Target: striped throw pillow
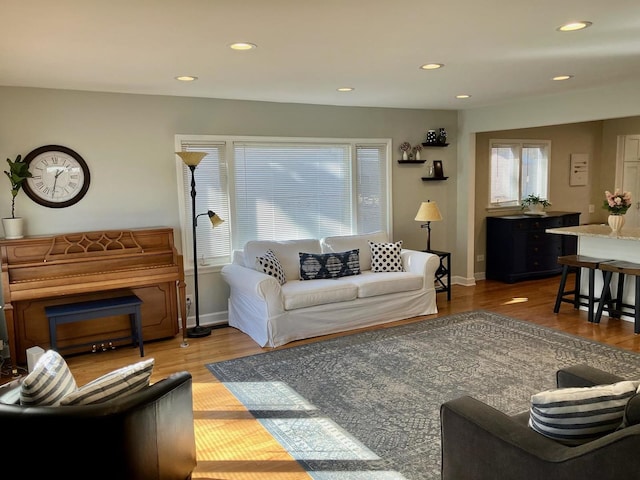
pixel 577 415
pixel 121 382
pixel 49 381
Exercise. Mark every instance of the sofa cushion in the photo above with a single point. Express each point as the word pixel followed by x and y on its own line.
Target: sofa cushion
pixel 577 415
pixel 49 381
pixel 10 392
pixel 329 265
pixel 269 264
pixel 631 412
pixel 286 251
pixel 301 294
pixel 350 242
pixel 119 383
pixel 372 284
pixel 385 257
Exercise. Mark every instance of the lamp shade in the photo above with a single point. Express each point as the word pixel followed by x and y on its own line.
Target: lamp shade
pixel 428 212
pixel 215 219
pixel 191 158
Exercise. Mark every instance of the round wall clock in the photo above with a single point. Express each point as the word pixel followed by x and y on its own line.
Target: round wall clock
pixel 60 177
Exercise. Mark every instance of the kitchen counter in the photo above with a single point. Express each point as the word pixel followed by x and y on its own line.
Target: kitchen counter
pixel 600 242
pixel 600 231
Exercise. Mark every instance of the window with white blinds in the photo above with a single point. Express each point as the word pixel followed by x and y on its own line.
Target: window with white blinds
pixel 518 169
pixel 283 189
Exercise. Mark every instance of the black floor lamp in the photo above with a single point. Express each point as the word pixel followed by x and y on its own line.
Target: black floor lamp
pixel 192 159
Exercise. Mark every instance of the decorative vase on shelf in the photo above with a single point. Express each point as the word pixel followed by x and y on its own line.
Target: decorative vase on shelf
pixel 616 222
pixel 442 136
pixel 432 136
pixel 405 156
pixel 417 154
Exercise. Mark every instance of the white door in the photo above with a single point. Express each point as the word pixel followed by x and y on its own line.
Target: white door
pixel 631 177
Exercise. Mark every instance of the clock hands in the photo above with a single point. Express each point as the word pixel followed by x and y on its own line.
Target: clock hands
pixel 55 180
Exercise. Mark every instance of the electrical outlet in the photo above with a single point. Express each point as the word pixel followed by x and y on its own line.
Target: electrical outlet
pixel 592 209
pixel 480 258
pixel 189 301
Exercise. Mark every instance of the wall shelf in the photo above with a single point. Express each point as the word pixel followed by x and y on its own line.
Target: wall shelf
pixel 435 144
pixel 411 161
pixel 430 179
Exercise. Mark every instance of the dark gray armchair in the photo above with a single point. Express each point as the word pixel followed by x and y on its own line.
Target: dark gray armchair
pixel 481 443
pixel 147 435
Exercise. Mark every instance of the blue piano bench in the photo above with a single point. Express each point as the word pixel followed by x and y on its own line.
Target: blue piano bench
pixel 90 310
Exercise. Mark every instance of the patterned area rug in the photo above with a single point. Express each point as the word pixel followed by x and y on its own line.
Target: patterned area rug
pixel 366 406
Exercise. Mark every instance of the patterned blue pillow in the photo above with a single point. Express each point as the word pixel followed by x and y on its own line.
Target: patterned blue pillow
pixel 329 265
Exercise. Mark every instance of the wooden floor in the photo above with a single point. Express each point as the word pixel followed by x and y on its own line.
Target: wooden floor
pixel 232 445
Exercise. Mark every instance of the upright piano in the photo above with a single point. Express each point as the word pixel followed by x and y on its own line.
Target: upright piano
pixel 42 271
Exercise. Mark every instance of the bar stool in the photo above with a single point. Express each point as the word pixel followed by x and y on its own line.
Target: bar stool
pixel 577 263
pixel 616 306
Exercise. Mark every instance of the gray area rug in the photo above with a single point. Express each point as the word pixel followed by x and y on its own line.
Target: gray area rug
pixel 366 405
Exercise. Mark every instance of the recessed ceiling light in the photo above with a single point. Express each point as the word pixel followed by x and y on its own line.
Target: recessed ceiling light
pixel 242 46
pixel 345 89
pixel 431 66
pixel 463 95
pixel 573 26
pixel 562 77
pixel 186 78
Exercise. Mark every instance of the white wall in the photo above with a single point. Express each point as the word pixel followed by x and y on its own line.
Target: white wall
pixel 128 143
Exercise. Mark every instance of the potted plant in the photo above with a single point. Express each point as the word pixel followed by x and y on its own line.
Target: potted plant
pixel 617 204
pixel 534 204
pixel 18 172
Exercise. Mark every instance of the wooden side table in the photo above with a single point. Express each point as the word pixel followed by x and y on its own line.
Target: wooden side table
pixel 443 272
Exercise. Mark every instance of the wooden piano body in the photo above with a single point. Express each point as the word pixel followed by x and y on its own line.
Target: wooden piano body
pixel 51 270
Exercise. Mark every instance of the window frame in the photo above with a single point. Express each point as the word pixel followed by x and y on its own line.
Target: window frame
pixel 520 144
pixel 229 142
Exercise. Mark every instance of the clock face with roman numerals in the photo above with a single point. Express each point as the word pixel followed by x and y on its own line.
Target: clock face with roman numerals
pixel 60 177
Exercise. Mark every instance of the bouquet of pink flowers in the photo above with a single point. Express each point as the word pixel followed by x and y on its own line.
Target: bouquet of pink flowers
pixel 405 146
pixel 617 203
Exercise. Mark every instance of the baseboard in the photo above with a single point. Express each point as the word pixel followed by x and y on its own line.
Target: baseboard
pixel 465 282
pixel 208 319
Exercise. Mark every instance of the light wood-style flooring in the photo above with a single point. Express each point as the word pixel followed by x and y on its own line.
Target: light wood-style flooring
pixel 232 445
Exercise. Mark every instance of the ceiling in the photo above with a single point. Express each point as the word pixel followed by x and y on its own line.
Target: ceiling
pixel 494 50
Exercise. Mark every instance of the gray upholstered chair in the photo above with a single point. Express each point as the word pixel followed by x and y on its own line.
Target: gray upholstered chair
pixel 481 443
pixel 147 435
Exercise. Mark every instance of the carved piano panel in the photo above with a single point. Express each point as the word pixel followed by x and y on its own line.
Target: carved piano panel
pixel 43 271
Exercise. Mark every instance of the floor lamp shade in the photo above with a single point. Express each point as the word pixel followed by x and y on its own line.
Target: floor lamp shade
pixel 428 212
pixel 192 159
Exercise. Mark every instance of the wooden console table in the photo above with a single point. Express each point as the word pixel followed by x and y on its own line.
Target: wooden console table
pixel 43 271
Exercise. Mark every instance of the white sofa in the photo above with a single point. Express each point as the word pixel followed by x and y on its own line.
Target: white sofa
pixel 273 314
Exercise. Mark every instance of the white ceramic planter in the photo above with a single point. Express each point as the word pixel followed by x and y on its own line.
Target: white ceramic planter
pixel 13 228
pixel 536 208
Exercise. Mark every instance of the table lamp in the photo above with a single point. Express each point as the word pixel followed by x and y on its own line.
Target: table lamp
pixel 428 212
